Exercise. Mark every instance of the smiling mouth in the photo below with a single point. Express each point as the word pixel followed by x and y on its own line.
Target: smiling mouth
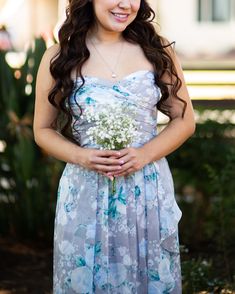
pixel 120 15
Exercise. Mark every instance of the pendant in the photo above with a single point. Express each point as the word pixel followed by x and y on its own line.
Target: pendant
pixel 114 75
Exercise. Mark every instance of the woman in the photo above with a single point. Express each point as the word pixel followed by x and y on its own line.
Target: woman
pixel 126 242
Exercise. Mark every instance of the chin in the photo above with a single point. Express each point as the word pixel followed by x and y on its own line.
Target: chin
pixel 121 30
pixel 118 28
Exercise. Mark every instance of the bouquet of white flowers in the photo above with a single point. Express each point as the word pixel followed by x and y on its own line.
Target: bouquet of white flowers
pixel 114 127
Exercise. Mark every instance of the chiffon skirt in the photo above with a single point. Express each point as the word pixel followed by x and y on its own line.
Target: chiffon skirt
pixel 119 243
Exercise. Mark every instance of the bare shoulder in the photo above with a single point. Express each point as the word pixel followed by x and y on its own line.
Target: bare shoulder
pixel 51 53
pixel 44 77
pixel 168 46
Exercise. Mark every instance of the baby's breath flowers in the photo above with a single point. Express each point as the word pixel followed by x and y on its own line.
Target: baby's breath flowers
pixel 114 127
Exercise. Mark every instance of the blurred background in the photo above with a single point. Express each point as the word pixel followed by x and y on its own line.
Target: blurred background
pixel 203 168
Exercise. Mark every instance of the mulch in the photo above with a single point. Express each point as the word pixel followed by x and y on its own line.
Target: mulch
pixel 25 267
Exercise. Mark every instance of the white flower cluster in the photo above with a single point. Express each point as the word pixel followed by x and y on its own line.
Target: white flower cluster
pixel 114 126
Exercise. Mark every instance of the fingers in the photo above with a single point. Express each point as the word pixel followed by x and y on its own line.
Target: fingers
pixel 111 162
pixel 107 160
pixel 119 163
pixel 106 175
pixel 124 168
pixel 125 173
pixel 107 168
pixel 103 161
pixel 108 153
pixel 124 159
pixel 127 154
pixel 129 159
pixel 124 152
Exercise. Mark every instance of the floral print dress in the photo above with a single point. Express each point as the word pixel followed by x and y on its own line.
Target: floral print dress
pixel 126 242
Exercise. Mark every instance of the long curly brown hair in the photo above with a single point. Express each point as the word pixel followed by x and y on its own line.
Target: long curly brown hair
pixel 73 54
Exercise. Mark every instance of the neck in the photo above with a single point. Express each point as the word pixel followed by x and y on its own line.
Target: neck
pixel 102 36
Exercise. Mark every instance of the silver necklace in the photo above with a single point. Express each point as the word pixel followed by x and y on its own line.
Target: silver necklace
pixel 112 70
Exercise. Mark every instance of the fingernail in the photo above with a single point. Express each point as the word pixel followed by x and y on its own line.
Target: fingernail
pixel 121 162
pixel 119 167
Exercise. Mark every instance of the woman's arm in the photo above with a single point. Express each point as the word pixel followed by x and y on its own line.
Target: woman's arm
pixel 179 128
pixel 53 142
pixel 174 134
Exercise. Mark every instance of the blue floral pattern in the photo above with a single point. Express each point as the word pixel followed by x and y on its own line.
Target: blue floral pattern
pixel 127 242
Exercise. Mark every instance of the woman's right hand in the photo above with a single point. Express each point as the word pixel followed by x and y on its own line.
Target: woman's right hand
pixel 101 161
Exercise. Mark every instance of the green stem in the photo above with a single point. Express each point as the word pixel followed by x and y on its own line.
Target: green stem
pixel 114 186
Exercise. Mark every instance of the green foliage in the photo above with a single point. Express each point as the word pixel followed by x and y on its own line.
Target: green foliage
pixel 197 275
pixel 28 177
pixel 204 169
pixel 209 145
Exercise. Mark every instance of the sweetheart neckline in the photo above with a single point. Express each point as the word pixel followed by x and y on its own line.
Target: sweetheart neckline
pixel 124 78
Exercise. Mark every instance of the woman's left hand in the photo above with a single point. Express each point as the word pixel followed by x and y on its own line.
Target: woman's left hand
pixel 133 160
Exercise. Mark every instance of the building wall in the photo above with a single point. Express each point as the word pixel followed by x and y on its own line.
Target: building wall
pixel 2 2
pixel 153 4
pixel 44 15
pixel 26 19
pixel 179 22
